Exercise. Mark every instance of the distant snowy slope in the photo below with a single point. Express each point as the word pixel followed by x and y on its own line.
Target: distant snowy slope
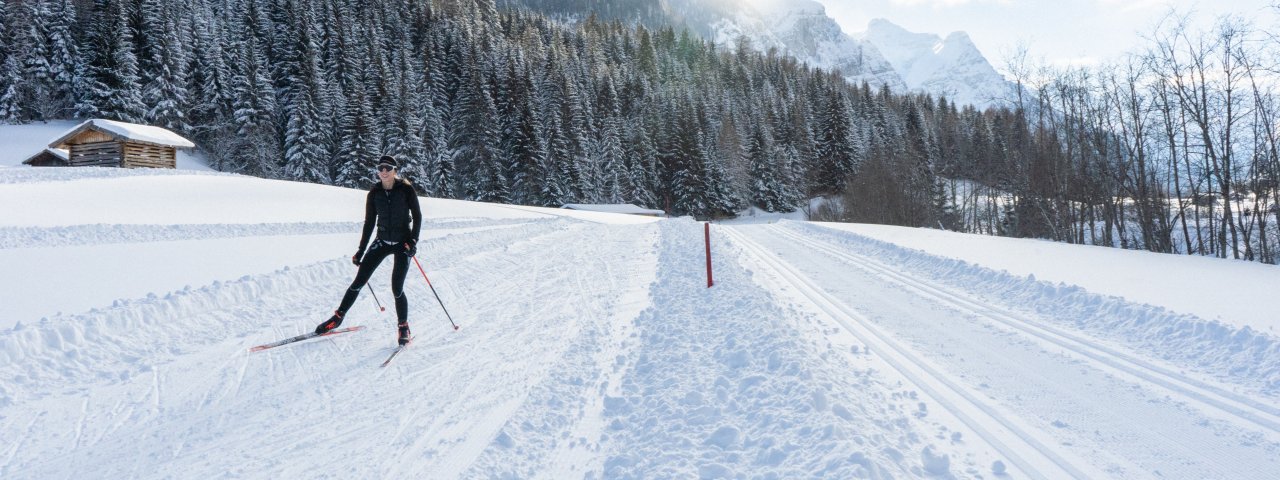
pixel 20 142
pixel 952 66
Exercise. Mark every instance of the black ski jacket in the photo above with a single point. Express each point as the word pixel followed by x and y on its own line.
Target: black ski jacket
pixel 392 211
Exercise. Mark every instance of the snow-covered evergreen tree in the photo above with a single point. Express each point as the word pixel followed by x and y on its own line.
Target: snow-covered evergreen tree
pixel 608 144
pixel 834 147
pixel 64 58
pixel 437 168
pixel 641 169
pixel 554 174
pixel 526 148
pixel 31 42
pixel 682 157
pixel 304 155
pixel 770 190
pixel 10 70
pixel 112 87
pixel 256 148
pixel 163 66
pixel 404 136
pixel 358 151
pixel 475 140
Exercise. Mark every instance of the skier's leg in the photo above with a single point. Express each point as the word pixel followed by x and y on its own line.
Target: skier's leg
pixel 399 269
pixel 370 263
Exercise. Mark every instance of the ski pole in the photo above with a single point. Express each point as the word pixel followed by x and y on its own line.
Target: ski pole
pixel 433 292
pixel 375 298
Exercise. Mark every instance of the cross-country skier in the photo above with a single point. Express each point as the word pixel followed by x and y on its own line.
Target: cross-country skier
pixel 392 204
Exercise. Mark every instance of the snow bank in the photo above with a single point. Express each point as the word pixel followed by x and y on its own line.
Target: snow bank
pixel 27 174
pixel 1236 293
pixel 1239 355
pixel 721 388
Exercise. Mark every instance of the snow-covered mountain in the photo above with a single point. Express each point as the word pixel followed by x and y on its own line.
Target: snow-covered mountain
pixel 798 28
pixel 950 66
pixel 885 54
pixel 803 29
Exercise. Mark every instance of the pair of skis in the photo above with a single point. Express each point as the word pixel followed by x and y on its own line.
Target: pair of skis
pixel 311 335
pixel 399 348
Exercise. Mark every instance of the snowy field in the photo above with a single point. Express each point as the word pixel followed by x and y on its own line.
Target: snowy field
pixel 590 346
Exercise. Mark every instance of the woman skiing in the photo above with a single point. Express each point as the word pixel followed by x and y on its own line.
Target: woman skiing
pixel 392 204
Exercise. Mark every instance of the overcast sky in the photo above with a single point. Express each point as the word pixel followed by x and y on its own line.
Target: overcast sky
pixel 1059 32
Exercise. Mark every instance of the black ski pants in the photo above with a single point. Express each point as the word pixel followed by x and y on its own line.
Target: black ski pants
pixel 372 258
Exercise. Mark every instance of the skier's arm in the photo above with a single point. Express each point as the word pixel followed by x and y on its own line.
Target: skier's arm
pixel 416 213
pixel 370 214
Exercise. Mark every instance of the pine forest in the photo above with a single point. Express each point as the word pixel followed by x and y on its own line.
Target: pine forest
pixel 1172 150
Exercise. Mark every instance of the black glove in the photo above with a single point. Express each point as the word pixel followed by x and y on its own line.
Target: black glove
pixel 410 248
pixel 355 259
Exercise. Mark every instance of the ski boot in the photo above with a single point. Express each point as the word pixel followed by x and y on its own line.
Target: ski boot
pixel 404 333
pixel 329 324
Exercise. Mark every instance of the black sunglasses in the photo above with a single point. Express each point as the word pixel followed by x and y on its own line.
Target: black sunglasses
pixel 385 168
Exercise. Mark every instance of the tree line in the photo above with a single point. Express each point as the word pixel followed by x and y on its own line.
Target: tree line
pixel 505 105
pixel 1170 149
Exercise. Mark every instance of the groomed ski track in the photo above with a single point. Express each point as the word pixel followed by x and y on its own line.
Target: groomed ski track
pixel 1054 403
pixel 585 351
pixel 323 408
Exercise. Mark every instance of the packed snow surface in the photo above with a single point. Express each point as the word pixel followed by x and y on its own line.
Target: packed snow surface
pixel 590 346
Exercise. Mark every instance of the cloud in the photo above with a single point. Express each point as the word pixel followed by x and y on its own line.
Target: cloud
pixel 943 3
pixel 1127 6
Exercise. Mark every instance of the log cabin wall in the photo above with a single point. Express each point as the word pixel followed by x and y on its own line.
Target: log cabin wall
pixel 96 154
pixel 143 155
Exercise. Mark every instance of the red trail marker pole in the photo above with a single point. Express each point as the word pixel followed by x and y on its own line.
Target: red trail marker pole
pixel 707 235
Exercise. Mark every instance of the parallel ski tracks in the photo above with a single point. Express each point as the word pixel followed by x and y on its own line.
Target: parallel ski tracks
pixel 116 421
pixel 1033 455
pixel 1244 411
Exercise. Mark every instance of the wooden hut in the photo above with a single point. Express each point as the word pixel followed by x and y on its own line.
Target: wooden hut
pixel 108 143
pixel 49 157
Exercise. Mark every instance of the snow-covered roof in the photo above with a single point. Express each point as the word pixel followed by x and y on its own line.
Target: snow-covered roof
pixel 613 208
pixel 57 152
pixel 127 131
